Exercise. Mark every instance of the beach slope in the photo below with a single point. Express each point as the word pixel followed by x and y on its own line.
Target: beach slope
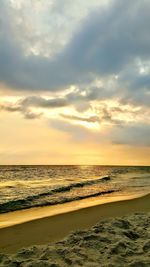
pixel 54 228
pixel 123 241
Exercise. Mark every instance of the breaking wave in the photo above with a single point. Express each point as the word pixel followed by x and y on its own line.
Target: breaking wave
pixel 57 196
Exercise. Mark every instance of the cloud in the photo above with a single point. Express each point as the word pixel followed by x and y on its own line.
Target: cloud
pixel 129 134
pixel 76 132
pixel 135 134
pixel 91 111
pixel 106 42
pixel 111 38
pixel 91 119
pixel 102 116
pixel 24 105
pixel 42 102
pixel 28 114
pixel 107 56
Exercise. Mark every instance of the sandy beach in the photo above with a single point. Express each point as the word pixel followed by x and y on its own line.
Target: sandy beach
pixel 74 133
pixel 115 240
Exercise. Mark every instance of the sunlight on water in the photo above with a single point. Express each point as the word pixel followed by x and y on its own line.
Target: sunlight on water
pixel 33 186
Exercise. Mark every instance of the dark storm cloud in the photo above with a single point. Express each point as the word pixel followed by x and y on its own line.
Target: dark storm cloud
pixel 107 41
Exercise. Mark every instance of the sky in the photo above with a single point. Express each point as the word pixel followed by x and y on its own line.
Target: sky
pixel 75 82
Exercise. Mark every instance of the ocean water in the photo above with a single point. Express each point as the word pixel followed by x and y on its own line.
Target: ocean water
pixel 33 186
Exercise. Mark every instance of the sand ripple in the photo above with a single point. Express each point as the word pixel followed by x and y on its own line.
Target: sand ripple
pixel 115 242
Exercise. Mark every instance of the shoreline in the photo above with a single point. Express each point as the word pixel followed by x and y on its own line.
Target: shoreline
pixel 48 229
pixel 12 218
pixel 115 242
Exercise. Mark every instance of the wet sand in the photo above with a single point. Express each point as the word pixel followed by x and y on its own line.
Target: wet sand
pixel 113 242
pixel 53 228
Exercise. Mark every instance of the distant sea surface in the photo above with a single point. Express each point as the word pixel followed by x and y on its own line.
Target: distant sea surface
pixel 34 186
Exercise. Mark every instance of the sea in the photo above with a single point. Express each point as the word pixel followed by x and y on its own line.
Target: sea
pixel 23 187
